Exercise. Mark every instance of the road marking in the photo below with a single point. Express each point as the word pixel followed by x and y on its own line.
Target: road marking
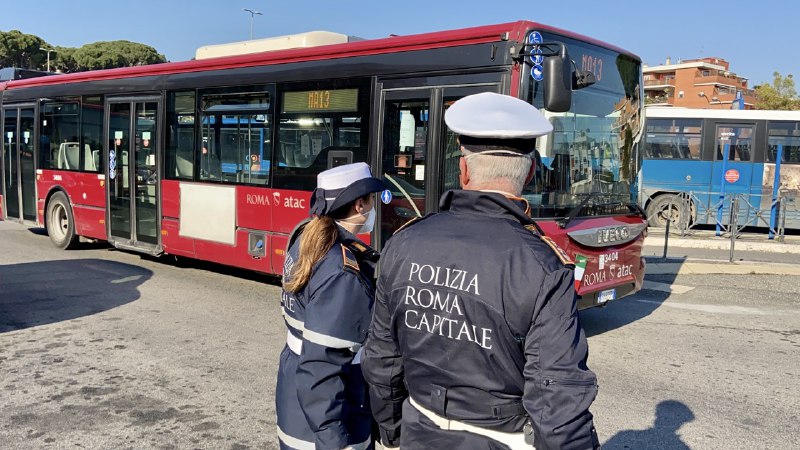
pixel 127 279
pixel 714 309
pixel 666 287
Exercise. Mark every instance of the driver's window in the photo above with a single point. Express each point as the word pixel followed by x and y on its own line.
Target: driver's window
pixel 405 149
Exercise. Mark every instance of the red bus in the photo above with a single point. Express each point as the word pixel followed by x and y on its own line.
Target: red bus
pixel 215 158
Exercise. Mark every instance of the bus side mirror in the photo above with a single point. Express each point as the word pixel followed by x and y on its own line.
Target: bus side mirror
pixel 558 82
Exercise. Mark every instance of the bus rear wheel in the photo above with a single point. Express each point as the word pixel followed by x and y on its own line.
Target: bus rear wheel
pixel 60 222
pixel 672 208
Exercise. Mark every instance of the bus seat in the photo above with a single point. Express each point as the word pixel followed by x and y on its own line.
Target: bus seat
pixel 68 155
pixel 88 157
pixel 287 150
pixel 183 167
pixel 96 159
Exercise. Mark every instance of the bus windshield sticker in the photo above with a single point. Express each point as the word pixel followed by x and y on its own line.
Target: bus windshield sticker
pixel 537 72
pixel 386 196
pixel 112 164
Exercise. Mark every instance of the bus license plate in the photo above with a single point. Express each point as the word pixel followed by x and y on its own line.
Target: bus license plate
pixel 605 296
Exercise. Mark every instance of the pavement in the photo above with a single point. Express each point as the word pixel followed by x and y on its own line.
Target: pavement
pixel 747 243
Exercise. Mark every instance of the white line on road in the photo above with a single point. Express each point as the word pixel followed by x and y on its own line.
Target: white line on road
pixel 127 279
pixel 715 309
pixel 666 287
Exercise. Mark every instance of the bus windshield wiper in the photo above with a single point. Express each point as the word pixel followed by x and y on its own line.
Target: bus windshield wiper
pixel 634 207
pixel 575 210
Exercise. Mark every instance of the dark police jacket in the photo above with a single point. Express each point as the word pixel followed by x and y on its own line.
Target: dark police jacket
pixel 321 396
pixel 475 318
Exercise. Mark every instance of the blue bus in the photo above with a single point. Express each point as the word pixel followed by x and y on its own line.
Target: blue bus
pixel 712 155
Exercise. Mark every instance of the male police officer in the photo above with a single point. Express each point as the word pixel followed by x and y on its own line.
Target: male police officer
pixel 475 341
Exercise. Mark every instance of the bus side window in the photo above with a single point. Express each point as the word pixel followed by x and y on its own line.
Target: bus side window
pixel 180 139
pixel 92 133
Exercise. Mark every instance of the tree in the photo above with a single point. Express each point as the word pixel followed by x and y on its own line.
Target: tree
pixel 64 60
pixel 18 49
pixel 781 94
pixel 107 55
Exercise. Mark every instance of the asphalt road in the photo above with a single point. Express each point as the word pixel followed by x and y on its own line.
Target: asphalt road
pixel 105 349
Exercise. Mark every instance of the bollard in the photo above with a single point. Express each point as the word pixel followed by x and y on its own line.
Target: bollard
pixel 666 235
pixel 668 217
pixel 733 223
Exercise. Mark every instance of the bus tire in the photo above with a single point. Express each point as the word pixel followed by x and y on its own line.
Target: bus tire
pixel 60 222
pixel 658 210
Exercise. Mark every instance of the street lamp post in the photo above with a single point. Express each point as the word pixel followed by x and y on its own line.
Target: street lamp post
pixel 252 15
pixel 48 50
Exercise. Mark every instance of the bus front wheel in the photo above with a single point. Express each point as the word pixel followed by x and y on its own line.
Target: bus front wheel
pixel 61 222
pixel 672 208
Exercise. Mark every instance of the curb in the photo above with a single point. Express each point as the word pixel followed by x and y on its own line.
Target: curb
pixel 721 267
pixel 715 243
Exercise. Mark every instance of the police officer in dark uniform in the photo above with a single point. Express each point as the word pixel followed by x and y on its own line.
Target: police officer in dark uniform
pixel 475 341
pixel 328 291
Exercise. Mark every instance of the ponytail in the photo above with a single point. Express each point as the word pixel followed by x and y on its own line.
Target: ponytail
pixel 317 239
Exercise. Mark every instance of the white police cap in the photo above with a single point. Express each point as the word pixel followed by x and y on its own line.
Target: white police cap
pixel 341 185
pixel 496 120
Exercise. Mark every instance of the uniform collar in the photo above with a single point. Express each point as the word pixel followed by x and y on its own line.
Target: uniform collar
pixel 486 203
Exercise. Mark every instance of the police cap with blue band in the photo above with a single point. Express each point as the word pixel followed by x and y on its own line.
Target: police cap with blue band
pixel 341 185
pixel 496 124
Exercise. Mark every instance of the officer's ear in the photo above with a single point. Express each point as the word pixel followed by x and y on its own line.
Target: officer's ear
pixel 463 175
pixel 531 172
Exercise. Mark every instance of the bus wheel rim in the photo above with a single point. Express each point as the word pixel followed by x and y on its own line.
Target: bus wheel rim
pixel 60 221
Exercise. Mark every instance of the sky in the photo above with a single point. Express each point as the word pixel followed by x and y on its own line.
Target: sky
pixel 757 38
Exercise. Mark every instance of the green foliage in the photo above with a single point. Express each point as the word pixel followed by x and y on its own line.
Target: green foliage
pixel 22 50
pixel 63 60
pixel 18 49
pixel 107 55
pixel 781 94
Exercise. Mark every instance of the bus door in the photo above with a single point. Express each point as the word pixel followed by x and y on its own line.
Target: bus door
pixel 19 169
pixel 732 170
pixel 417 155
pixel 132 175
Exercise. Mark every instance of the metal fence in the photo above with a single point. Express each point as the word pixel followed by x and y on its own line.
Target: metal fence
pixel 682 214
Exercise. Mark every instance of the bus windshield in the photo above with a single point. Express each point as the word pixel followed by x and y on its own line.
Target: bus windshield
pixel 590 159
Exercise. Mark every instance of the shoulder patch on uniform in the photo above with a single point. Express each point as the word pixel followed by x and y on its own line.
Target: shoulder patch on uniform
pixel 417 219
pixel 359 246
pixel 349 259
pixel 562 255
pixel 533 229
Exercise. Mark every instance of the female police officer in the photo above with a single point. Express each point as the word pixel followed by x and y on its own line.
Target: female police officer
pixel 327 302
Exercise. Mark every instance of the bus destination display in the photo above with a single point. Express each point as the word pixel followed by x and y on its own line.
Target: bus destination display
pixel 339 100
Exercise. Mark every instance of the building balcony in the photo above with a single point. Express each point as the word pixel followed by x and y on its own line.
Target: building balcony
pixel 659 100
pixel 659 85
pixel 719 80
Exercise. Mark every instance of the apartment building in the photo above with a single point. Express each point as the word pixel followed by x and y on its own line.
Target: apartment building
pixel 696 83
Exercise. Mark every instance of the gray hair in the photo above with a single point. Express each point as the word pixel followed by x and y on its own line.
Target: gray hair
pixel 488 169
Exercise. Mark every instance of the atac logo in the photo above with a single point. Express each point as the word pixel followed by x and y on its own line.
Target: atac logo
pixel 289 201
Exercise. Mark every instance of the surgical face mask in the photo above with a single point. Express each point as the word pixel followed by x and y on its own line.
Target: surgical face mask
pixel 367 226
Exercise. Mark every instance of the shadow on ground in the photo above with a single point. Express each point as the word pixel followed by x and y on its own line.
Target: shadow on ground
pixel 663 435
pixel 632 308
pixel 40 293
